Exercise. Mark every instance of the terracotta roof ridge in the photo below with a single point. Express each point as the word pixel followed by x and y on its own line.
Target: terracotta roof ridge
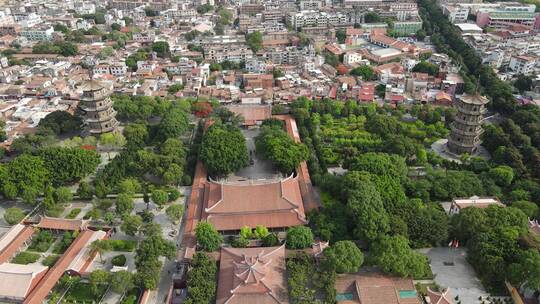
pixel 273 251
pixel 295 207
pixel 220 199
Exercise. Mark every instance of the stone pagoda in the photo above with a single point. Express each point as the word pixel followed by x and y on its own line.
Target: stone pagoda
pixel 467 125
pixel 96 108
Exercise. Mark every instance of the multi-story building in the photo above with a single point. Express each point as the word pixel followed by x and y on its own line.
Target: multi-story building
pixel 96 106
pixel 523 64
pixel 303 19
pixel 467 125
pixel 38 34
pixel 311 4
pixel 503 18
pixel 456 14
pixel 407 27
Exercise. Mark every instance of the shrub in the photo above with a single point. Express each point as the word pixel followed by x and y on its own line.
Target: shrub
pixel 50 260
pixel 13 215
pixel 299 237
pixel 123 245
pixel 55 211
pixel 174 195
pixel 25 258
pixel 73 213
pixel 42 241
pixel 119 260
pixel 270 240
pixel 105 204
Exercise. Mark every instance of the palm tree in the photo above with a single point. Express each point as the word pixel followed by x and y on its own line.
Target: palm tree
pixel 100 247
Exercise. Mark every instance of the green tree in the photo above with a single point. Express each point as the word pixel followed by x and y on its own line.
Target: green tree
pixel 85 190
pixel 299 237
pixel 175 88
pixel 161 48
pixel 136 135
pixel 223 150
pixel 530 209
pixel 106 52
pixel 67 165
pixel 131 224
pixel 63 195
pixel 96 278
pixel 260 232
pixel 173 124
pixel 160 197
pixel 372 17
pixel 254 41
pixel 175 212
pixel 523 83
pixel 13 215
pixel 60 122
pixel 124 203
pixel 200 288
pixel 129 186
pixel 394 256
pixel 365 71
pixel 99 247
pixel 526 270
pixel 426 67
pixel 25 176
pixel 116 27
pixel 502 175
pixel 341 35
pixel 277 146
pixel 121 281
pixel 345 256
pixel 421 35
pixel 207 237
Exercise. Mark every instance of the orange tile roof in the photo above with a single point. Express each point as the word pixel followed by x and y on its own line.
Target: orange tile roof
pixel 230 206
pixel 24 235
pixel 62 224
pixel 252 112
pixel 252 275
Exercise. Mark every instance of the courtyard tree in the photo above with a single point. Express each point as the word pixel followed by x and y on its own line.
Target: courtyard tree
pixel 160 197
pixel 99 247
pixel 13 215
pixel 345 256
pixel 274 144
pixel 394 256
pixel 124 203
pixel 223 150
pixel 175 212
pixel 299 237
pixel 63 195
pixel 121 281
pixel 131 224
pixel 208 237
pixel 98 277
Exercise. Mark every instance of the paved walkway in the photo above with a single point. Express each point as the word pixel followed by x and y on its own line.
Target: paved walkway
pixel 460 278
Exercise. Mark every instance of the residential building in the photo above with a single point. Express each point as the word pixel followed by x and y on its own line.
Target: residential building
pixel 523 64
pixel 38 33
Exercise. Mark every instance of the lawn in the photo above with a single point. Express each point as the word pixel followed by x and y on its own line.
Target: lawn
pixel 82 293
pixel 25 258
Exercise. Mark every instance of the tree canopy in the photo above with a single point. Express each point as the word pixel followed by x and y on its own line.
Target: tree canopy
pixel 345 256
pixel 274 144
pixel 223 150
